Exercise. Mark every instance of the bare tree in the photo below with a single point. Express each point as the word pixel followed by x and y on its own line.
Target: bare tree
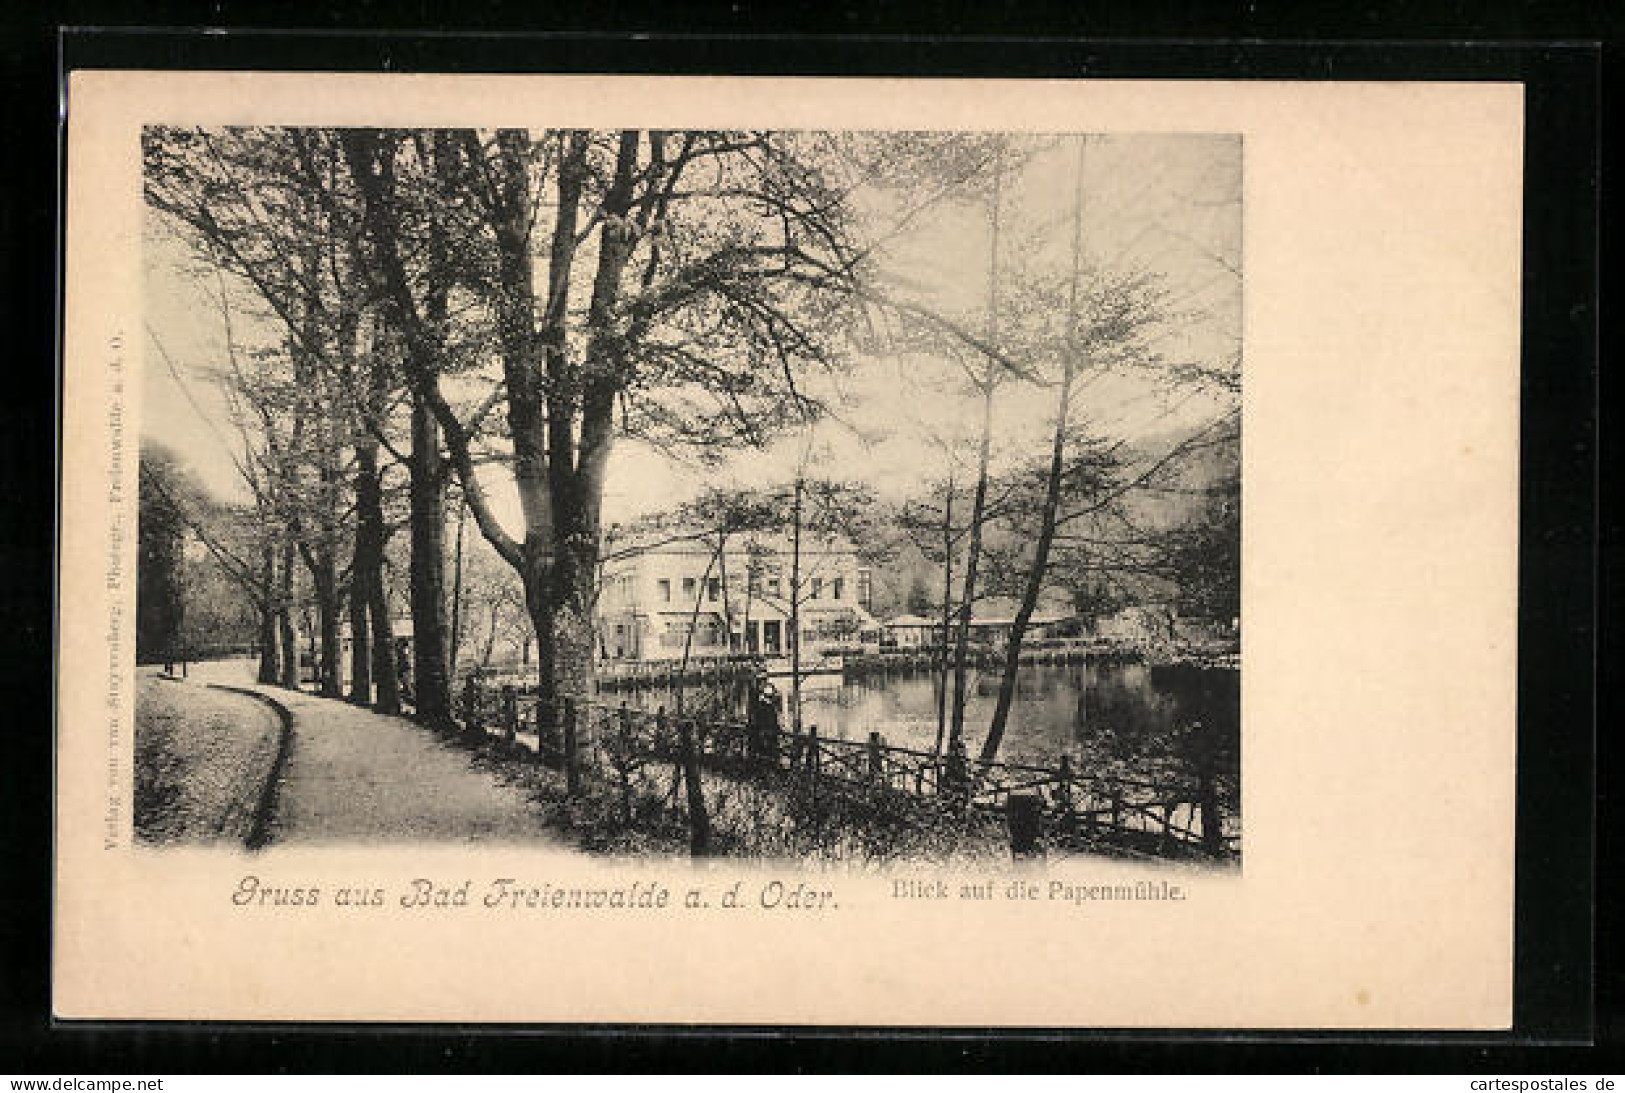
pixel 254 204
pixel 275 209
pixel 679 285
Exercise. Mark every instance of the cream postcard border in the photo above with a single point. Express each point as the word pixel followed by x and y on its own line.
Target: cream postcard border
pixel 1382 244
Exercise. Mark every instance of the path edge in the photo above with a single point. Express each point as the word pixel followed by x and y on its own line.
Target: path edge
pixel 259 830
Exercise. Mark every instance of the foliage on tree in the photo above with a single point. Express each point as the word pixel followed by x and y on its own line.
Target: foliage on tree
pixel 1204 555
pixel 666 286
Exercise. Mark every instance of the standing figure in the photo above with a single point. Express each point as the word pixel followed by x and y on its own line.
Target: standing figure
pixel 764 717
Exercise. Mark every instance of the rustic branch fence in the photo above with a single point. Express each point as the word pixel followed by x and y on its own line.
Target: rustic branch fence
pixel 1058 807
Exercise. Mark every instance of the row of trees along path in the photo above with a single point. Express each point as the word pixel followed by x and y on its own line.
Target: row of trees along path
pixel 463 306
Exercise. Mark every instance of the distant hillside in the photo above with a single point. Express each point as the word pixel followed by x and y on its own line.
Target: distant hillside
pixel 1178 494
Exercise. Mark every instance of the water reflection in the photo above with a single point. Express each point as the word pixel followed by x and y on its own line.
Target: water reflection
pixel 1059 708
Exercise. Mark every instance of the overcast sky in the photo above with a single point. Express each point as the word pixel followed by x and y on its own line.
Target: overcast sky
pixel 1167 203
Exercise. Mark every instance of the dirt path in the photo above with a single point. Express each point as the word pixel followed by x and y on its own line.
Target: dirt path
pixel 356 776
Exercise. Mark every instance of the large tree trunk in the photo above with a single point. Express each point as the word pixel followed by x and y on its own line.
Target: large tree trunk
pixel 270 663
pixel 270 660
pixel 324 579
pixel 290 639
pixel 457 623
pixel 373 658
pixel 561 483
pixel 431 674
pixel 383 646
pixel 290 649
pixel 370 525
pixel 360 648
pixel 559 598
pixel 559 479
pixel 312 650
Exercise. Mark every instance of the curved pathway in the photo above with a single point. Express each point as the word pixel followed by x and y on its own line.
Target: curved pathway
pixel 356 776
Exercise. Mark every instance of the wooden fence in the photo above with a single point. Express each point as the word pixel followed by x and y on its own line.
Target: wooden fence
pixel 1058 807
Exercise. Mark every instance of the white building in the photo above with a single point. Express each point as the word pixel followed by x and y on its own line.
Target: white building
pixel 739 601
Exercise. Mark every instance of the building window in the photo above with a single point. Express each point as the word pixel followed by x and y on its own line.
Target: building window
pixel 665 591
pixel 863 587
pixel 688 588
pixel 713 589
pixel 818 588
pixel 772 586
pixel 836 591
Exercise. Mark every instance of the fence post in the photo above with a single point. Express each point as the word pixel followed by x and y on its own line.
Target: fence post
pixel 957 773
pixel 699 823
pixel 572 755
pixel 877 763
pixel 1212 817
pixel 812 784
pixel 510 714
pixel 1063 794
pixel 1024 815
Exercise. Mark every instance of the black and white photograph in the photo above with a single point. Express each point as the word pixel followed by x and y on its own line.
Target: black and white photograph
pixel 835 496
pixel 736 551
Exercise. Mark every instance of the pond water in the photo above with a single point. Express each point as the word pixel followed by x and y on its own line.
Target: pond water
pixel 1057 708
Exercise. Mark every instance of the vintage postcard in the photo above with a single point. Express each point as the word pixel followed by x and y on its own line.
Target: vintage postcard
pixel 788 551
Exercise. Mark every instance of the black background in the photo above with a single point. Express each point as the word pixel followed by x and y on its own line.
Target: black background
pixel 1561 1007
